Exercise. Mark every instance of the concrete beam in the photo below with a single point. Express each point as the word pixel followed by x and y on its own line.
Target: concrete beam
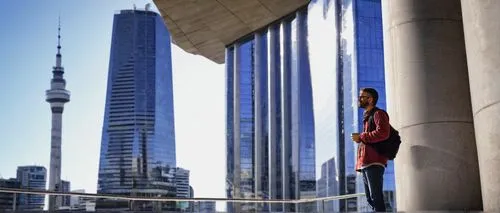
pixel 205 27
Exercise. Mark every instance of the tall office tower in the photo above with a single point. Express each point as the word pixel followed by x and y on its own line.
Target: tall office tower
pixel 57 96
pixel 270 122
pixel 138 139
pixel 32 177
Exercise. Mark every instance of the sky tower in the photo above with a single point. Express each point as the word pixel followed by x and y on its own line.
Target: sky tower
pixel 57 96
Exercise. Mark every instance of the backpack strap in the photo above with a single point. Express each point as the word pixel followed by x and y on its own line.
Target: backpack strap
pixel 371 122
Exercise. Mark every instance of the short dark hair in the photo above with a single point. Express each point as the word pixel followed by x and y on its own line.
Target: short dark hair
pixel 372 93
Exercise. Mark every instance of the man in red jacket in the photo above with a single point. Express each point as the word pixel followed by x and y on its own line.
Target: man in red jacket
pixel 370 163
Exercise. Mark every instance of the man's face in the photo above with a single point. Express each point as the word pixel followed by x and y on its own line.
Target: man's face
pixel 364 99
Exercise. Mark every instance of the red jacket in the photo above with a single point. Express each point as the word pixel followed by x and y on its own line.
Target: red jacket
pixel 367 154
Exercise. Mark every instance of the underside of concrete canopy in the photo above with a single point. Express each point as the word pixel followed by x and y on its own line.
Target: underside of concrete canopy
pixel 205 27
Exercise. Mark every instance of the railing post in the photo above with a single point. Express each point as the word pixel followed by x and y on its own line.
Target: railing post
pixel 322 206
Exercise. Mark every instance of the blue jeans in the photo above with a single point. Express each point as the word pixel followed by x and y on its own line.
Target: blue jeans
pixel 373 177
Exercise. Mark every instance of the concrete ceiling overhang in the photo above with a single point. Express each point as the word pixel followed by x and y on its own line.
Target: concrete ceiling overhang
pixel 205 27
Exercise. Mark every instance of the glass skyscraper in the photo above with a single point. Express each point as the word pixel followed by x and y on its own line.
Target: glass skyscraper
pixel 270 121
pixel 138 140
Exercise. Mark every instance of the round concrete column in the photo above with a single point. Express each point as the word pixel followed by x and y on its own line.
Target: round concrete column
pixel 482 39
pixel 429 102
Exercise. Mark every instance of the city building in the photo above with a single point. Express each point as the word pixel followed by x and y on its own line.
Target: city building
pixel 182 187
pixel 440 85
pixel 65 187
pixel 9 201
pixel 182 182
pixel 138 137
pixel 32 177
pixel 328 186
pixel 56 96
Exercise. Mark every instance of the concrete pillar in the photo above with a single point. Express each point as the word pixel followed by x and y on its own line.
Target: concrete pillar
pixel 436 168
pixel 482 31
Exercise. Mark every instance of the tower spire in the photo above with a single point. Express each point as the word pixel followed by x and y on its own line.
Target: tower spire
pixel 58 56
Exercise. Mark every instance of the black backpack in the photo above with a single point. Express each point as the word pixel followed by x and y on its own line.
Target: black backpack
pixel 390 147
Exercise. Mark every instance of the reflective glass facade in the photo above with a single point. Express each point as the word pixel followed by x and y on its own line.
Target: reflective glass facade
pixel 270 120
pixel 138 139
pixel 317 60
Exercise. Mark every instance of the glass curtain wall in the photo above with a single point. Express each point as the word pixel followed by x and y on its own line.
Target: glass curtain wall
pixel 270 121
pixel 291 104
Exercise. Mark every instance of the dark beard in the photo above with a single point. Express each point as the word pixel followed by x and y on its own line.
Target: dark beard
pixel 362 105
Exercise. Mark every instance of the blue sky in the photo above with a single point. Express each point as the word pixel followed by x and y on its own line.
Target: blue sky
pixel 28 47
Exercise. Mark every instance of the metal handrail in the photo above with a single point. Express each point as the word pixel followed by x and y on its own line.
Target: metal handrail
pixel 165 199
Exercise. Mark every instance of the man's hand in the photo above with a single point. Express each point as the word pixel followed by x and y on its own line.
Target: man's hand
pixel 355 137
